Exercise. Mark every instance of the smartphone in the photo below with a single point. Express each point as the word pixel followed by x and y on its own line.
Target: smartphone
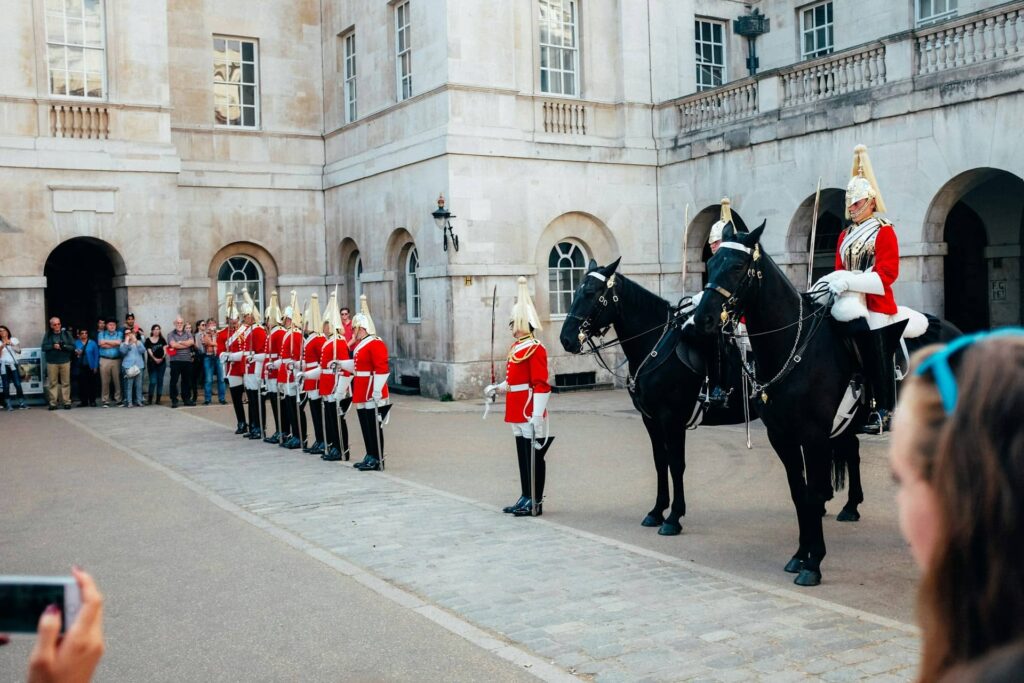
pixel 23 599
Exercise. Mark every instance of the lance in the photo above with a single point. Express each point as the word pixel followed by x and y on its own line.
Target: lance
pixel 489 401
pixel 686 231
pixel 814 232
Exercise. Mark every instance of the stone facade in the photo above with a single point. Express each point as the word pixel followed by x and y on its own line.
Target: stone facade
pixel 161 191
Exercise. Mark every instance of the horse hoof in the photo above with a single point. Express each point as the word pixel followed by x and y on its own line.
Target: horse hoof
pixel 848 516
pixel 794 565
pixel 652 521
pixel 807 577
pixel 670 529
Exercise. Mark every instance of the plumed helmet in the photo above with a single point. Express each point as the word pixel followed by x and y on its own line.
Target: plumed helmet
pixel 230 310
pixel 724 219
pixel 333 315
pixel 314 320
pixel 362 319
pixel 862 183
pixel 273 316
pixel 524 315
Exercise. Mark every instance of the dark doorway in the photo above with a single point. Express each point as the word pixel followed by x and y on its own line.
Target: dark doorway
pixel 80 282
pixel 966 278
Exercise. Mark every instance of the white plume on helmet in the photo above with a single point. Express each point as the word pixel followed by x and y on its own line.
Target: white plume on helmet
pixel 724 219
pixel 862 183
pixel 362 319
pixel 524 315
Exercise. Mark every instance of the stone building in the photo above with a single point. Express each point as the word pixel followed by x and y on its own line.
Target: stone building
pixel 154 155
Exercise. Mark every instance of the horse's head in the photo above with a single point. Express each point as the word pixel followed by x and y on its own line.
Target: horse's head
pixel 733 273
pixel 591 312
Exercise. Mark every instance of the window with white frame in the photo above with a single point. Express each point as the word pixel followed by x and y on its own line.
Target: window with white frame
pixel 403 51
pixel 235 82
pixel 567 264
pixel 935 11
pixel 816 30
pixel 559 47
pixel 412 286
pixel 75 48
pixel 240 274
pixel 357 279
pixel 710 44
pixel 349 87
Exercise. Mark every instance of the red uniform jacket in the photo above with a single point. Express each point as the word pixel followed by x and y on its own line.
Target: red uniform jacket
pixel 334 349
pixel 291 349
pixel 311 356
pixel 273 351
pixel 231 342
pixel 887 265
pixel 256 342
pixel 371 356
pixel 526 374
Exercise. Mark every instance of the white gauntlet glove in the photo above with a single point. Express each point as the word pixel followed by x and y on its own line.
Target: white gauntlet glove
pixel 540 403
pixel 492 390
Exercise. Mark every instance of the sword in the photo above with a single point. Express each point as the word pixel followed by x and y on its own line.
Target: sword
pixel 814 232
pixel 489 401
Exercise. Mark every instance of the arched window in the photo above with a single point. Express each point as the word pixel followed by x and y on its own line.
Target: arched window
pixel 412 286
pixel 567 264
pixel 356 275
pixel 238 274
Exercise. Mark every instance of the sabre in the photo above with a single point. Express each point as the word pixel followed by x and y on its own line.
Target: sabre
pixel 814 231
pixel 686 231
pixel 489 401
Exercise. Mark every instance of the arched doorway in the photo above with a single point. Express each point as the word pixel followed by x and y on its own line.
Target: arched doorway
pixel 980 216
pixel 831 219
pixel 700 228
pixel 80 283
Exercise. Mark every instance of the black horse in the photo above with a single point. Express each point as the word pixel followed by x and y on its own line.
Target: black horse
pixel 803 367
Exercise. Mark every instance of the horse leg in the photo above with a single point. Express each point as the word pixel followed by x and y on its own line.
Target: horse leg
pixel 818 457
pixel 675 451
pixel 849 446
pixel 792 459
pixel 656 516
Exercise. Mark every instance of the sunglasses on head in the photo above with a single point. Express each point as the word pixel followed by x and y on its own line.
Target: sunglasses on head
pixel 938 363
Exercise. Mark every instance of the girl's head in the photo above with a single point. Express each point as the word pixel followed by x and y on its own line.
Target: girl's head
pixel 957 454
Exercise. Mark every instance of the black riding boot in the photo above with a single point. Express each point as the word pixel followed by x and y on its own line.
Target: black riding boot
pixel 236 403
pixel 523 456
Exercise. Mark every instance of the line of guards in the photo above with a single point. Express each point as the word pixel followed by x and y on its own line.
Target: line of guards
pixel 299 360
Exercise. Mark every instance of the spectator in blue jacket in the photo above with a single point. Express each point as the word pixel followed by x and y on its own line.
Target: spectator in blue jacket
pixel 133 362
pixel 87 356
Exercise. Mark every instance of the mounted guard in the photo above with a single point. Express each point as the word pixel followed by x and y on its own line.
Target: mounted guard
pixel 528 392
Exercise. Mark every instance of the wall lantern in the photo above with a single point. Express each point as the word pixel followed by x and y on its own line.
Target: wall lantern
pixel 442 218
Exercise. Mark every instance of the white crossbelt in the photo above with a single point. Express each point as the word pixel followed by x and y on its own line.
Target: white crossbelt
pixel 518 387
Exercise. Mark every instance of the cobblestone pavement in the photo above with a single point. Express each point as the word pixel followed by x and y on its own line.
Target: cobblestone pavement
pixel 595 607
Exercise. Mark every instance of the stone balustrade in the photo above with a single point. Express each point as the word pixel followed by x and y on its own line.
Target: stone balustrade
pixel 993 34
pixel 565 117
pixel 986 36
pixel 82 121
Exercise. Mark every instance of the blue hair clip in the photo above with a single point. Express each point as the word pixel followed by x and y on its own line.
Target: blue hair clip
pixel 938 363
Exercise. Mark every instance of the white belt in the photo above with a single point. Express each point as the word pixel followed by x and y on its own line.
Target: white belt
pixel 364 373
pixel 518 387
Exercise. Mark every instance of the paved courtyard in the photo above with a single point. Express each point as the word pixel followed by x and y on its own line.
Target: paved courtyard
pixel 449 588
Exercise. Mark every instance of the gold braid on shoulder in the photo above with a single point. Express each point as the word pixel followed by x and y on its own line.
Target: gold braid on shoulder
pixel 526 354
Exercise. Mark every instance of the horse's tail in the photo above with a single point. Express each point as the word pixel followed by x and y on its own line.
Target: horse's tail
pixel 839 466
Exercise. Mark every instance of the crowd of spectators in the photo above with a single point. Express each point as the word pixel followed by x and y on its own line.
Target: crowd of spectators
pixel 114 364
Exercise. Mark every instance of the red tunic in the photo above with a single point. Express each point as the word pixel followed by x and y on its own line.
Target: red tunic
pixel 273 351
pixel 526 374
pixel 371 356
pixel 291 349
pixel 231 342
pixel 255 342
pixel 887 265
pixel 311 356
pixel 335 349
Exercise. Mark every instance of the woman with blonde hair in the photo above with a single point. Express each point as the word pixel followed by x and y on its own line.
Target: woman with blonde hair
pixel 957 455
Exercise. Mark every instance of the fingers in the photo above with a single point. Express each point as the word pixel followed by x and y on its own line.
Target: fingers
pixel 44 654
